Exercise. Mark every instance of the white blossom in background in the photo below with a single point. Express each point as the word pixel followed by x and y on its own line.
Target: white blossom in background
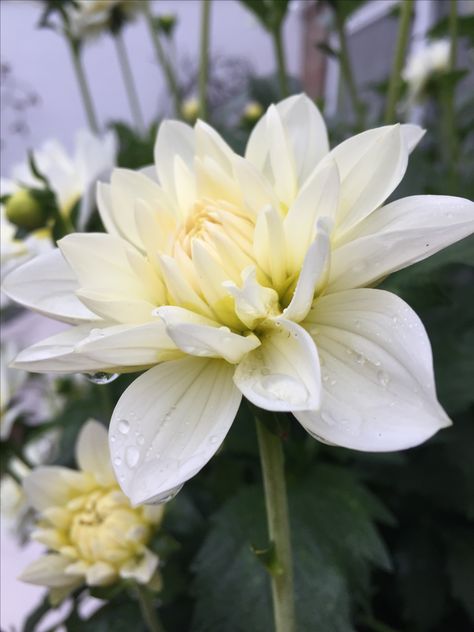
pixel 72 177
pixel 221 276
pixel 422 65
pixel 11 382
pixel 91 18
pixel 92 533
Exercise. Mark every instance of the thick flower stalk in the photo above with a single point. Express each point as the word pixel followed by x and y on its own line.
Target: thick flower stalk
pixel 92 533
pixel 222 276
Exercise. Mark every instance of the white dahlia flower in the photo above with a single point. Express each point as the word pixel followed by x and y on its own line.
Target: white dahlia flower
pixel 92 533
pixel 90 18
pixel 72 177
pixel 224 276
pixel 423 64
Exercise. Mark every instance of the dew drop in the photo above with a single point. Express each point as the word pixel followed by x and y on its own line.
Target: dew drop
pixel 101 377
pixel 282 388
pixel 395 320
pixel 140 439
pixel 117 461
pixel 360 359
pixel 333 382
pixel 132 455
pixel 123 426
pixel 213 439
pixel 328 418
pixel 383 378
pixel 112 438
pixel 357 324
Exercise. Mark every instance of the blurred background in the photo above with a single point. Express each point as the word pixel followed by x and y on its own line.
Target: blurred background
pixel 40 100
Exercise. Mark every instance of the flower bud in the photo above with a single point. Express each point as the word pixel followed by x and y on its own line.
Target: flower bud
pixel 190 109
pixel 166 24
pixel 252 112
pixel 25 211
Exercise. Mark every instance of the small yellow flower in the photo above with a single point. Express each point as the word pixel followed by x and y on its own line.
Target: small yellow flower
pixel 93 534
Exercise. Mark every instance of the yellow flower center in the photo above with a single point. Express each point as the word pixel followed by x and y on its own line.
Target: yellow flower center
pixel 105 528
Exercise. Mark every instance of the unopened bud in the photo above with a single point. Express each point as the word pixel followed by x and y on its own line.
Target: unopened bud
pixel 252 112
pixel 166 23
pixel 25 211
pixel 190 110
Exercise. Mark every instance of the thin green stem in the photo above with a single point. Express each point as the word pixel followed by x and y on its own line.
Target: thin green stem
pixel 280 60
pixel 450 140
pixel 272 460
pixel 148 610
pixel 406 10
pixel 163 60
pixel 128 80
pixel 83 85
pixel 347 72
pixel 204 58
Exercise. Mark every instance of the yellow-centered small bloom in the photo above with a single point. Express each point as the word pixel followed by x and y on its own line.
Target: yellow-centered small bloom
pixel 92 532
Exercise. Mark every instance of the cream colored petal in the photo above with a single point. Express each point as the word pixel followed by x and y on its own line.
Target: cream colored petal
pixel 253 302
pixel 140 569
pixel 117 308
pixel 47 285
pixel 52 486
pixel 100 574
pixel 92 452
pixel 317 199
pixel 57 354
pixel 169 423
pixel 200 336
pixel 378 384
pixel 102 261
pixel 305 130
pixel 283 373
pixel 48 570
pixel 210 144
pixel 179 289
pixel 174 139
pixel 397 235
pixel 256 191
pixel 314 271
pixel 270 246
pixel 130 345
pixel 371 165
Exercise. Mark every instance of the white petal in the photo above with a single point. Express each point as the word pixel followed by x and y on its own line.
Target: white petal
pixel 378 384
pixel 57 354
pixel 283 373
pixel 179 288
pixel 314 270
pixel 270 246
pixel 51 486
pixel 174 139
pixel 141 569
pixel 47 285
pixel 92 452
pixel 253 302
pixel 209 144
pixel 397 235
pixel 318 198
pixel 200 336
pixel 129 345
pixel 256 190
pixel 169 423
pixel 48 570
pixel 100 574
pixel 117 307
pixel 305 130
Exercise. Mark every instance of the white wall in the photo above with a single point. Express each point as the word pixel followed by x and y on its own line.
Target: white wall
pixel 40 59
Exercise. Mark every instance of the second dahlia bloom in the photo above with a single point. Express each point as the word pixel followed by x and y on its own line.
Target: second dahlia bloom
pixel 92 533
pixel 224 276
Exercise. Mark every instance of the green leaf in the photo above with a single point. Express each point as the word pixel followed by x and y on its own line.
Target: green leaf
pixel 334 545
pixel 119 616
pixel 345 8
pixel 328 50
pixel 33 619
pixel 460 568
pixel 465 27
pixel 270 13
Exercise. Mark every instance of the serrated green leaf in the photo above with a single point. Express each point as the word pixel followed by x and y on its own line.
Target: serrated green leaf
pixel 334 545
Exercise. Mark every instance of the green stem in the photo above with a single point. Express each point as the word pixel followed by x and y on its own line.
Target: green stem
pixel 83 85
pixel 281 60
pixel 406 10
pixel 163 60
pixel 204 58
pixel 450 136
pixel 347 72
pixel 129 81
pixel 272 460
pixel 148 610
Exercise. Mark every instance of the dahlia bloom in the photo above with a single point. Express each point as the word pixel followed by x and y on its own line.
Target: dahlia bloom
pixel 224 276
pixel 71 176
pixel 423 64
pixel 92 533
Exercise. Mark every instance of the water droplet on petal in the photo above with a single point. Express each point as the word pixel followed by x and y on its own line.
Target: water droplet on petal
pixel 328 418
pixel 117 461
pixel 383 378
pixel 132 455
pixel 140 439
pixel 214 439
pixel 281 387
pixel 123 426
pixel 101 377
